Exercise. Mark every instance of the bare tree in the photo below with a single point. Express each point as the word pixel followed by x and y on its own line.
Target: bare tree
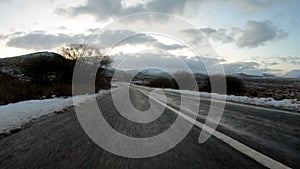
pixel 90 62
pixel 89 55
pixel 72 51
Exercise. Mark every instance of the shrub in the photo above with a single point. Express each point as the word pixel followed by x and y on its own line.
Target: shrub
pixel 186 80
pixel 234 85
pixel 163 83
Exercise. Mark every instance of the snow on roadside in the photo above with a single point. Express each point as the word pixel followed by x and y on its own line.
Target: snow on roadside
pixel 288 104
pixel 14 115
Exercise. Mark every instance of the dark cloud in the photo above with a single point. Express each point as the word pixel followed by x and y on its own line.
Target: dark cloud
pixel 289 59
pixel 168 47
pixel 214 34
pixel 110 38
pixel 269 63
pixel 41 41
pixel 295 62
pixel 220 35
pixel 255 34
pixel 258 33
pixel 8 36
pixel 105 9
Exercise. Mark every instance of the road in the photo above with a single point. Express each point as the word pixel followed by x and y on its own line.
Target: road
pixel 60 142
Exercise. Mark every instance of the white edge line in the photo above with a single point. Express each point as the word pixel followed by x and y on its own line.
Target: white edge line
pixel 255 155
pixel 190 96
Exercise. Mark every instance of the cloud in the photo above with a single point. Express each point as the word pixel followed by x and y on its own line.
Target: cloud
pixel 253 5
pixel 168 47
pixel 289 59
pixel 107 9
pixel 3 37
pixel 4 1
pixel 196 64
pixel 104 9
pixel 295 62
pixel 110 38
pixel 251 68
pixel 268 63
pixel 258 33
pixel 215 34
pixel 9 36
pixel 240 66
pixel 41 41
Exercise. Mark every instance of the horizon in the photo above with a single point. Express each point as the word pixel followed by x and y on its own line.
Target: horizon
pixel 125 69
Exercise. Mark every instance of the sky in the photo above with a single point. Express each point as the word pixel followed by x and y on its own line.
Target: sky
pixel 253 37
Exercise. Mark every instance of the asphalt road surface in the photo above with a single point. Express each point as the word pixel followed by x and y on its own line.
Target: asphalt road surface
pixel 60 142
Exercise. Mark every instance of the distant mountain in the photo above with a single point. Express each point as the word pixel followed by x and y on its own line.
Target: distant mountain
pixel 268 75
pixel 149 72
pixel 293 74
pixel 244 75
pixel 155 72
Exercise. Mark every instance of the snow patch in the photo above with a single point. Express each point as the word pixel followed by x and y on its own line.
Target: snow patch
pixel 288 104
pixel 14 115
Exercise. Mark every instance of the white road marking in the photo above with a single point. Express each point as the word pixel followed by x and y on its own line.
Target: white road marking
pixel 255 155
pixel 189 96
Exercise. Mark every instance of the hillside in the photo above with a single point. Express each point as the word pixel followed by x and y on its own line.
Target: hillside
pixel 38 75
pixel 26 67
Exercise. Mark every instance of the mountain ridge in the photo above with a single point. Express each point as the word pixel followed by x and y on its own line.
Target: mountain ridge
pixel 293 74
